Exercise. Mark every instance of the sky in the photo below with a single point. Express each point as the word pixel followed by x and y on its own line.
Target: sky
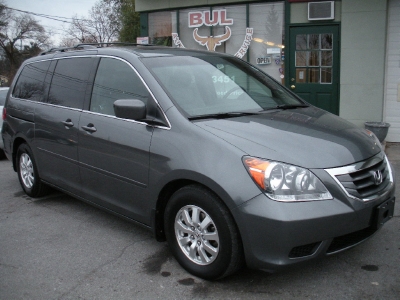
pixel 59 8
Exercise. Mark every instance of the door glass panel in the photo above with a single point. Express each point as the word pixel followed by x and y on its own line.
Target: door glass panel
pixel 314 59
pixel 326 75
pixel 326 41
pixel 301 58
pixel 313 41
pixel 301 42
pixel 326 58
pixel 313 75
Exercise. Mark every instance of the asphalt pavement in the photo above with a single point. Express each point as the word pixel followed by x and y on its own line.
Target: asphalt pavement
pixel 57 247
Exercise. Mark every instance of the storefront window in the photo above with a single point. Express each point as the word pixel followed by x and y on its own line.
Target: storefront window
pixel 186 32
pixel 226 29
pixel 160 27
pixel 267 51
pixel 238 29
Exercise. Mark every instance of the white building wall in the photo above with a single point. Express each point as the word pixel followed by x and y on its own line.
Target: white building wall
pixel 392 87
pixel 362 61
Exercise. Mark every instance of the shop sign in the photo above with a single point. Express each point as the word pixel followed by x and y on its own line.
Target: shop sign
pixel 212 41
pixel 264 60
pixel 217 17
pixel 274 50
pixel 199 18
pixel 142 40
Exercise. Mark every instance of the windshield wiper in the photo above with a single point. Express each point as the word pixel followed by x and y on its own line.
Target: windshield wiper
pixel 222 115
pixel 290 106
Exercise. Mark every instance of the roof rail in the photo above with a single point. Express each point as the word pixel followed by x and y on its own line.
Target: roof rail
pixel 65 49
pixel 113 43
pixel 84 46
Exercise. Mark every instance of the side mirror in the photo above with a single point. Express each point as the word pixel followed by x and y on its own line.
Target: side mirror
pixel 132 109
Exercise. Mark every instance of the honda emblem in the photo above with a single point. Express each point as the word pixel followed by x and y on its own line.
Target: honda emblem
pixel 378 178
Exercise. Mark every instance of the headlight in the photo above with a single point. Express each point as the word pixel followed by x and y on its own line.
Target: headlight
pixel 283 182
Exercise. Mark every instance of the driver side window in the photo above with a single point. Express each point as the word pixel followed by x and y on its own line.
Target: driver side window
pixel 115 80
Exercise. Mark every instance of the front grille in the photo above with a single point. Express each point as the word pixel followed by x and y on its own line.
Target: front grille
pixel 362 179
pixel 305 250
pixel 351 239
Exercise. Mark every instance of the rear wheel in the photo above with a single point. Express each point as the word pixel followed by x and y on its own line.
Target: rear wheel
pixel 27 173
pixel 201 233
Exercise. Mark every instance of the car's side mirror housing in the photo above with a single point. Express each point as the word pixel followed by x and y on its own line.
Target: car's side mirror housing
pixel 132 109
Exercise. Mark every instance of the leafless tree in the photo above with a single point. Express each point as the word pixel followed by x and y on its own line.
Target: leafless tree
pixel 18 32
pixel 102 25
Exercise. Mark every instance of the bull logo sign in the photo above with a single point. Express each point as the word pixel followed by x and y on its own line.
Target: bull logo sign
pixel 214 18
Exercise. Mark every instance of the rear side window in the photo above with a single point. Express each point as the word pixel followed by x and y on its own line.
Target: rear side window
pixel 69 82
pixel 115 80
pixel 30 84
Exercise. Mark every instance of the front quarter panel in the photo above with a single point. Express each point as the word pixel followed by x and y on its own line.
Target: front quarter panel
pixel 187 152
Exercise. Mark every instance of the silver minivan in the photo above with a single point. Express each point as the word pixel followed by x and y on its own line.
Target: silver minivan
pixel 204 149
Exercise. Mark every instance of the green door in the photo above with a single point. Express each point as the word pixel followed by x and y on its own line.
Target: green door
pixel 314 65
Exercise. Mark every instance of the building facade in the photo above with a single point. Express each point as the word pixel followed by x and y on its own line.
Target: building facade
pixel 342 56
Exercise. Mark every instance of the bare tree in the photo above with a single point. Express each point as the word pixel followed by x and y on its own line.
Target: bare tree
pixel 103 24
pixel 19 34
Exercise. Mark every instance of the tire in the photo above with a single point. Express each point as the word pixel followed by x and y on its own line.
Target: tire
pixel 202 234
pixel 27 173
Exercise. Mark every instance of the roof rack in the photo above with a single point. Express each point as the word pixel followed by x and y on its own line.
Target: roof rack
pixel 84 46
pixel 113 43
pixel 65 49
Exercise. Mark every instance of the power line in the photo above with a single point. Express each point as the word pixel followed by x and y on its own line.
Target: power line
pixel 55 18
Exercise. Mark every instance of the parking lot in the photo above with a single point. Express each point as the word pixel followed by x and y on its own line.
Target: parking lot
pixel 57 247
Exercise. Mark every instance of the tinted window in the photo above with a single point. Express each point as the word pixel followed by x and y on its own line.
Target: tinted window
pixel 30 84
pixel 3 95
pixel 69 82
pixel 115 80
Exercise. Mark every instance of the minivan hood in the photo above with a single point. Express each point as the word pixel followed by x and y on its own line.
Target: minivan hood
pixel 307 137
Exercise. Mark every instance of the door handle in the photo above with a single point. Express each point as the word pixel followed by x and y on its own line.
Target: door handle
pixel 292 86
pixel 89 128
pixel 68 123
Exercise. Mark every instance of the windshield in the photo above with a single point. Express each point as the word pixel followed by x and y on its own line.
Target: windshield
pixel 216 85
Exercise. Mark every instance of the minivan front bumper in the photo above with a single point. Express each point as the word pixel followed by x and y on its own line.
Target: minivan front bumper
pixel 279 234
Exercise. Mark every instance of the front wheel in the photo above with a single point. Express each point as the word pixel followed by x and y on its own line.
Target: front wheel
pixel 27 173
pixel 201 233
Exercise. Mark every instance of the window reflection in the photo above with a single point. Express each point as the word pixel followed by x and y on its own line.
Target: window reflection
pixel 326 75
pixel 30 84
pixel 314 58
pixel 115 80
pixel 301 58
pixel 317 57
pixel 326 41
pixel 313 41
pixel 69 82
pixel 301 42
pixel 313 75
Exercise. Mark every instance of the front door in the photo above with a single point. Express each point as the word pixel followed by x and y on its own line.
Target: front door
pixel 314 65
pixel 114 152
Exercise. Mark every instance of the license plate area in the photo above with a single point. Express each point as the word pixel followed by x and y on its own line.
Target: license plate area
pixel 384 212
